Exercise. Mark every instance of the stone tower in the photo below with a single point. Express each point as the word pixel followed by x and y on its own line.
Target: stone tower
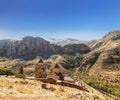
pixel 40 70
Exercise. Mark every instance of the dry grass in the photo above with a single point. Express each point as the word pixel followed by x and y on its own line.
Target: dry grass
pixel 29 70
pixel 18 89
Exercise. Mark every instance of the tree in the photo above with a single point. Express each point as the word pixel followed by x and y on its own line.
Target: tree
pixel 21 70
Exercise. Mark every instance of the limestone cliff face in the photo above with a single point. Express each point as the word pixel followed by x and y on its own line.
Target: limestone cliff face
pixel 8 47
pixel 30 47
pixel 105 54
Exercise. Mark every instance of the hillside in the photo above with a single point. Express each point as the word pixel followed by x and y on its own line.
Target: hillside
pixel 105 54
pixel 102 64
pixel 18 89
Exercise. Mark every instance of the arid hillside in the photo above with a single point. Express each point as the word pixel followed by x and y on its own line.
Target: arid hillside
pixel 19 89
pixel 105 55
pixel 101 66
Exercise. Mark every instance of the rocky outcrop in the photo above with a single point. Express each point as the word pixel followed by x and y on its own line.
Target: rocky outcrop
pixel 30 47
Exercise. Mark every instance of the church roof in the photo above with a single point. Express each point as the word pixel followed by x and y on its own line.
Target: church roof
pixel 40 60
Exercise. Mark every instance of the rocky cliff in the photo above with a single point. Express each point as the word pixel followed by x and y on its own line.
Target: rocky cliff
pixel 30 47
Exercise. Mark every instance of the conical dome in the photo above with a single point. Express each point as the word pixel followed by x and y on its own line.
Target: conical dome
pixel 40 60
pixel 56 66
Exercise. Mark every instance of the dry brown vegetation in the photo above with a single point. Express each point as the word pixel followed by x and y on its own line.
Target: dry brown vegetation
pixel 19 89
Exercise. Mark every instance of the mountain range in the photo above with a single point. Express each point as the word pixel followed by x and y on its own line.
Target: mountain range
pixel 97 60
pixel 66 41
pixel 30 47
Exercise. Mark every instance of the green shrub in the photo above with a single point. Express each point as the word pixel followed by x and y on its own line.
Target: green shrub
pixel 21 73
pixel 21 70
pixel 73 61
pixel 105 87
pixel 7 71
pixel 102 86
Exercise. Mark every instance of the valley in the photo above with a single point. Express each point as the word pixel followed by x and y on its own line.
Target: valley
pixel 97 63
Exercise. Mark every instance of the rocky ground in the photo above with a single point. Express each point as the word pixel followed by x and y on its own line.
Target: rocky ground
pixel 19 89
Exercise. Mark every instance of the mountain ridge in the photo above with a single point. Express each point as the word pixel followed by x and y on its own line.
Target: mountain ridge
pixel 30 47
pixel 66 41
pixel 105 54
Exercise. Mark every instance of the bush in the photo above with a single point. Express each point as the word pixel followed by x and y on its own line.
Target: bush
pixel 7 71
pixel 21 70
pixel 104 87
pixel 21 73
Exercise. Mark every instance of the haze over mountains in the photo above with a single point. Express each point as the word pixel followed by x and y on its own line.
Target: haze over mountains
pixel 65 41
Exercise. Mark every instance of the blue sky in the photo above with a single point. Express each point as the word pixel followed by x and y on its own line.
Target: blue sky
pixel 81 19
